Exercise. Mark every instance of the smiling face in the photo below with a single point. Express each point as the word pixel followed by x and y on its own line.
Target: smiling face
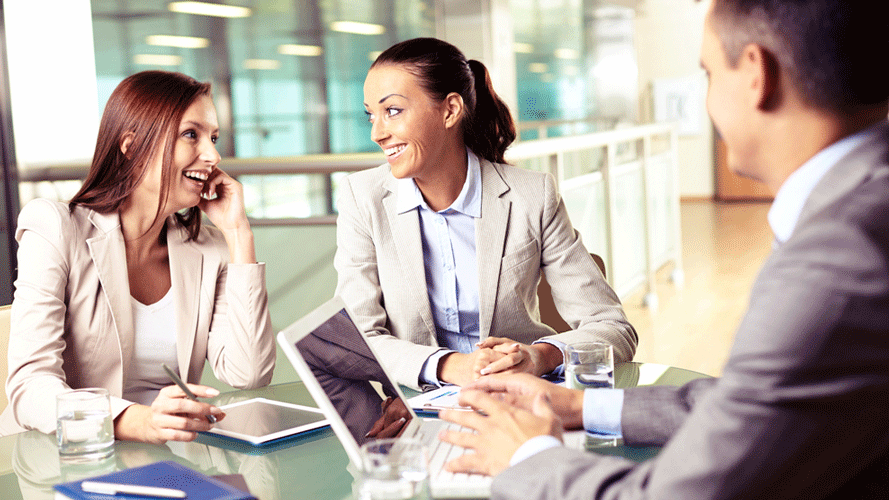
pixel 194 158
pixel 409 125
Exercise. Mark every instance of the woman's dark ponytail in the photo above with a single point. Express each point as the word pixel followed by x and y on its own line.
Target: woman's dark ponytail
pixel 441 68
pixel 490 127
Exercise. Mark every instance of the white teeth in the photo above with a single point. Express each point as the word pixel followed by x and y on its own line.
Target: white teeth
pixel 196 175
pixel 397 149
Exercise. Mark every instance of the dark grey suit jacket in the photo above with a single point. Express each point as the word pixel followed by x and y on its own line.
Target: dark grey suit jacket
pixel 802 409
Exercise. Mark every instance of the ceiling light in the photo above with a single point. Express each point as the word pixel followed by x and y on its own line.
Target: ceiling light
pixel 209 9
pixel 185 42
pixel 538 67
pixel 374 55
pixel 523 48
pixel 291 49
pixel 262 63
pixel 157 60
pixel 357 28
pixel 567 54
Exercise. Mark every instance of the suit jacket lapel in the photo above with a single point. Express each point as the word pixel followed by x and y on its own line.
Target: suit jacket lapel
pixel 108 252
pixel 409 247
pixel 186 269
pixel 489 250
pixel 853 169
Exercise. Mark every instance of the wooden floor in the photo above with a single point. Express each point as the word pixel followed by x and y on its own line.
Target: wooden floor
pixel 724 245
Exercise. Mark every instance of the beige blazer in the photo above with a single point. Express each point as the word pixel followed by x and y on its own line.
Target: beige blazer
pixel 72 323
pixel 523 230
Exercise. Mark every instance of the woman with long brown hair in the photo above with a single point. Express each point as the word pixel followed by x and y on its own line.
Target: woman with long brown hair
pixel 441 249
pixel 123 277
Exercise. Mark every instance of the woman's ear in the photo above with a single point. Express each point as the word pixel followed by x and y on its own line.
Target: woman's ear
pixel 454 108
pixel 125 140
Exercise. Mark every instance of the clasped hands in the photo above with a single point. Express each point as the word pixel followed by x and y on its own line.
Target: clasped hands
pixel 499 355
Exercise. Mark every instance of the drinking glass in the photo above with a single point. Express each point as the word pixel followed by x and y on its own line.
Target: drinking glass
pixel 83 425
pixel 590 365
pixel 393 469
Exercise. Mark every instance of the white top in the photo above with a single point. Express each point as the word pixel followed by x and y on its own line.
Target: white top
pixel 155 332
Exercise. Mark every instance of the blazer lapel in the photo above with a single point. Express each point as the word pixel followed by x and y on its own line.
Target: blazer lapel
pixel 108 252
pixel 409 247
pixel 489 251
pixel 852 170
pixel 186 266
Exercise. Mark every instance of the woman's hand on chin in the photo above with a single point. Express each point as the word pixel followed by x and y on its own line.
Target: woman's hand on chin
pixel 171 417
pixel 223 201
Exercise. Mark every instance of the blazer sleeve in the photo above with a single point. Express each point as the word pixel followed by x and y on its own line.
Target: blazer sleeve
pixel 241 343
pixel 581 295
pixel 37 338
pixel 800 411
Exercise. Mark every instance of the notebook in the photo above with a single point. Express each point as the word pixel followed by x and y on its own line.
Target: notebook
pixel 165 474
pixel 336 363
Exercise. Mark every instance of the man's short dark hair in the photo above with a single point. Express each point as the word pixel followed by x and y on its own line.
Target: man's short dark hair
pixel 834 51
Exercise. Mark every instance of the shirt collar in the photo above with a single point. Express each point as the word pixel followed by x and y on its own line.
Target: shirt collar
pixel 792 195
pixel 468 202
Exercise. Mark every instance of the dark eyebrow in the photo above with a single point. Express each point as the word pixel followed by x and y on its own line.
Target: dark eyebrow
pixel 391 95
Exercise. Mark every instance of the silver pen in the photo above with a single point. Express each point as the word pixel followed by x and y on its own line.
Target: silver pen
pixel 130 489
pixel 190 395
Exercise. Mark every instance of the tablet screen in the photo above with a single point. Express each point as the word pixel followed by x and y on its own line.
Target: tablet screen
pixel 261 420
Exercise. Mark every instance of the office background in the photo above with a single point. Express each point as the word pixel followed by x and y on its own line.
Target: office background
pixel 287 78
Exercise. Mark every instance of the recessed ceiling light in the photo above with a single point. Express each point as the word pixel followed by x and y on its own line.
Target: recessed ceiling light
pixel 186 42
pixel 262 63
pixel 209 9
pixel 567 54
pixel 538 67
pixel 157 60
pixel 357 28
pixel 523 48
pixel 291 49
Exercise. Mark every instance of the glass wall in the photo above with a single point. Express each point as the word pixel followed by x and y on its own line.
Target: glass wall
pixel 290 71
pixel 575 60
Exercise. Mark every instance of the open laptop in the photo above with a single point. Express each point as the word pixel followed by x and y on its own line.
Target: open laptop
pixel 336 364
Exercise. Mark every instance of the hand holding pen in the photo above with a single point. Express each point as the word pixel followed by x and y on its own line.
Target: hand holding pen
pixel 190 395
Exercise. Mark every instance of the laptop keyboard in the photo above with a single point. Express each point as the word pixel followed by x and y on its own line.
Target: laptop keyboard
pixel 440 453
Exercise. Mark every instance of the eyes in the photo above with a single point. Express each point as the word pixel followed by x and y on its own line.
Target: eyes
pixel 191 134
pixel 390 111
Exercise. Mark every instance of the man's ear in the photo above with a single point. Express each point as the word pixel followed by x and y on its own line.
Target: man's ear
pixel 764 75
pixel 453 109
pixel 125 141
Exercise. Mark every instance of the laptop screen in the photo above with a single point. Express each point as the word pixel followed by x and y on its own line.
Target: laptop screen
pixel 339 357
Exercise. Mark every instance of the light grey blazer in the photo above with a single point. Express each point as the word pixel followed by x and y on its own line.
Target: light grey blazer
pixel 523 230
pixel 802 409
pixel 72 321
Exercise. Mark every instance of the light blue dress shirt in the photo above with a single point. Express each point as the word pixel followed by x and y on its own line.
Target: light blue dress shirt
pixel 449 257
pixel 602 407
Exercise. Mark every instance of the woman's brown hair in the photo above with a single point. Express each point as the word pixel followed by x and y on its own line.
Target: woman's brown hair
pixel 148 106
pixel 441 69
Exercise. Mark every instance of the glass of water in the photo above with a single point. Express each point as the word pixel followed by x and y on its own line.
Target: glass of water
pixel 393 469
pixel 590 365
pixel 83 425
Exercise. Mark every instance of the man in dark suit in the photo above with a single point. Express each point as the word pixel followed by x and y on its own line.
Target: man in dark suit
pixel 799 90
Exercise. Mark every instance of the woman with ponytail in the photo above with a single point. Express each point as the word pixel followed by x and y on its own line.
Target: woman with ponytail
pixel 441 249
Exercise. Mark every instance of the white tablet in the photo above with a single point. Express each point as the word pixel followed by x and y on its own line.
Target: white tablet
pixel 259 421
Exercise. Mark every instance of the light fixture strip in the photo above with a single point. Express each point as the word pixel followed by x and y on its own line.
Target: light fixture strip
pixel 291 49
pixel 209 9
pixel 357 28
pixel 185 42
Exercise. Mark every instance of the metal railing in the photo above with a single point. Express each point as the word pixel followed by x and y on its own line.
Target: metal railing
pixel 620 188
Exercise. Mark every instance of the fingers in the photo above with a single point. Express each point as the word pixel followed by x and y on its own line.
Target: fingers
pixel 392 429
pixel 506 362
pixel 469 463
pixel 490 342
